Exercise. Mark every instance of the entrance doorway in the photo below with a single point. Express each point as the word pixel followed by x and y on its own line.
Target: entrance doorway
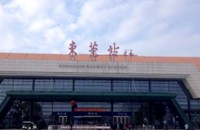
pixel 121 120
pixel 62 120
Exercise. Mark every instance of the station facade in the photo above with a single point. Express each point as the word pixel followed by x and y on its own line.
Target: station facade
pixel 126 90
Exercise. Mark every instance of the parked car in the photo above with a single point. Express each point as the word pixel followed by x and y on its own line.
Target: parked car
pixel 28 125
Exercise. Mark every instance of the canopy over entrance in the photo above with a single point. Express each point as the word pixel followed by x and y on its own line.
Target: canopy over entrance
pixel 89 96
pixel 50 96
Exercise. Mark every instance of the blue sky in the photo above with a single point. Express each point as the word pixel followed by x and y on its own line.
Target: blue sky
pixel 148 27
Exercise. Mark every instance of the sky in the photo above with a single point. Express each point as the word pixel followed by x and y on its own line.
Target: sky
pixel 147 27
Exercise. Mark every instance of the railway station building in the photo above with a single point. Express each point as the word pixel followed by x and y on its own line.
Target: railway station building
pixel 126 90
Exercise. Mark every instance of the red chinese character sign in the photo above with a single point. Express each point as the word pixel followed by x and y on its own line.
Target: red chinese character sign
pixel 131 53
pixel 113 51
pixel 72 48
pixel 93 50
pixel 128 55
pixel 128 52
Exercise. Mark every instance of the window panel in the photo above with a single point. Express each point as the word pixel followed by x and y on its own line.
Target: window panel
pixel 140 86
pixel 122 85
pixel 92 85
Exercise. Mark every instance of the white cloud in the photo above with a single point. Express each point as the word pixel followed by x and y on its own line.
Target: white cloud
pixel 54 35
pixel 41 24
pixel 10 41
pixel 153 27
pixel 29 8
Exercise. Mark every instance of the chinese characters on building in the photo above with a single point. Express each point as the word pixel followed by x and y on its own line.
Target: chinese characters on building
pixel 72 47
pixel 128 53
pixel 93 50
pixel 113 51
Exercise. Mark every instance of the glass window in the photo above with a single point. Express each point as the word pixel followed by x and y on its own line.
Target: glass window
pixel 122 85
pixel 5 85
pixel 92 85
pixel 63 85
pixel 159 86
pixel 123 107
pixel 195 104
pixel 44 85
pixel 61 107
pixel 22 84
pixel 171 87
pixel 140 86
pixel 47 108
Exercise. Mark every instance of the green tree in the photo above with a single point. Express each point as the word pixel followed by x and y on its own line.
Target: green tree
pixel 21 110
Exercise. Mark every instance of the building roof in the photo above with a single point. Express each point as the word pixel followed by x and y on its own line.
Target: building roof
pixel 100 58
pixel 60 65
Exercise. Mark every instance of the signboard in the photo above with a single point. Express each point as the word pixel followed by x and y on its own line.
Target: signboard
pixel 91 110
pixel 92 113
pixel 113 50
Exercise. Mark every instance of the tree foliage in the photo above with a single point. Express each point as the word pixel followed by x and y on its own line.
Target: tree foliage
pixel 21 111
